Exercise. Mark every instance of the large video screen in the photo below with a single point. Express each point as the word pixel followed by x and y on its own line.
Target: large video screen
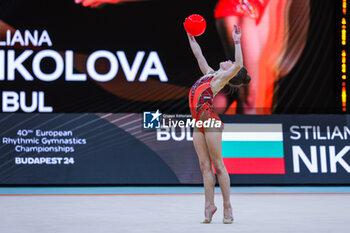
pixel 134 56
pixel 93 91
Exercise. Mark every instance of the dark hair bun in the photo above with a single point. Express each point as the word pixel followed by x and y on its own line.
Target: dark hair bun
pixel 246 81
pixel 242 77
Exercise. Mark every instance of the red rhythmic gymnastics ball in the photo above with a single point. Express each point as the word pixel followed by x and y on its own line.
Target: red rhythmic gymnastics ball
pixel 195 25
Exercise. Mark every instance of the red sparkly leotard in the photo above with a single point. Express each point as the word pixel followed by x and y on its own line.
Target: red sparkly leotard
pixel 201 100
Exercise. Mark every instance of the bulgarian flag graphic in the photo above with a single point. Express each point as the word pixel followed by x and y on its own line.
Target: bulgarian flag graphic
pixel 253 148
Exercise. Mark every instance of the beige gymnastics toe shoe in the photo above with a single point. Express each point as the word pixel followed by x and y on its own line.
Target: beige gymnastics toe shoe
pixel 208 220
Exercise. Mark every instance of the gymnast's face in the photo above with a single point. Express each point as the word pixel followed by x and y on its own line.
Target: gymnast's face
pixel 225 65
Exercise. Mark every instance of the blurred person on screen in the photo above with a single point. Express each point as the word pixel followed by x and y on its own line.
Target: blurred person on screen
pixel 275 33
pixel 97 3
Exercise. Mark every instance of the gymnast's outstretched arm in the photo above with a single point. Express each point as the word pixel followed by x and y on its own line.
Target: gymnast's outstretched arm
pixel 197 52
pixel 225 76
